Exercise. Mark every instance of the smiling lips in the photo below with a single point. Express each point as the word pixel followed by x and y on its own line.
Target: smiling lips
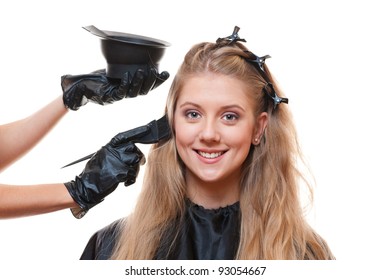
pixel 210 155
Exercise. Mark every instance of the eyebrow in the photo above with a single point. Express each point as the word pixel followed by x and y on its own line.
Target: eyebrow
pixel 226 107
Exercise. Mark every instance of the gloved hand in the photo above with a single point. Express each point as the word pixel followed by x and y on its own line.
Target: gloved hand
pixel 116 162
pixel 98 88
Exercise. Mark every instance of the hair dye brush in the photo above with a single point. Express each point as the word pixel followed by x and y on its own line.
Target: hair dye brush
pixel 150 133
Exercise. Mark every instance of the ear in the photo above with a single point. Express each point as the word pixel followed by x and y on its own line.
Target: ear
pixel 260 126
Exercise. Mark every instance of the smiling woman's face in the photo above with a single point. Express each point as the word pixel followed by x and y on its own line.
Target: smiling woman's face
pixel 215 125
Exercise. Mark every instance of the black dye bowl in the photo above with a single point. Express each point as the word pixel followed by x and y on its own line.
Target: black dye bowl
pixel 128 52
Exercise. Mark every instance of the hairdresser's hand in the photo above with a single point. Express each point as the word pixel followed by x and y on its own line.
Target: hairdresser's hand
pixel 118 161
pixel 98 88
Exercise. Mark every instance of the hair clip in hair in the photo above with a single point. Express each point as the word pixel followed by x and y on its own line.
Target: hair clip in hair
pixel 259 61
pixel 234 37
pixel 273 95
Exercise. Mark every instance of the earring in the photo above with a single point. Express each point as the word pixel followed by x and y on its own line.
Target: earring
pixel 256 141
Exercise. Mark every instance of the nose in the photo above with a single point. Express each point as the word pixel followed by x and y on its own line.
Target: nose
pixel 209 131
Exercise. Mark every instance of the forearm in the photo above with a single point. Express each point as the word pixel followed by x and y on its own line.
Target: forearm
pixel 19 201
pixel 19 137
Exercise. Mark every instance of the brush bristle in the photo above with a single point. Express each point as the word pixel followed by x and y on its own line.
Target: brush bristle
pixel 163 128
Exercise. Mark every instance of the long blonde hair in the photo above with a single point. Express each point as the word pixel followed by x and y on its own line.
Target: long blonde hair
pixel 272 221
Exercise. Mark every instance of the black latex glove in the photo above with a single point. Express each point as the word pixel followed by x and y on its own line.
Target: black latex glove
pixel 118 161
pixel 98 88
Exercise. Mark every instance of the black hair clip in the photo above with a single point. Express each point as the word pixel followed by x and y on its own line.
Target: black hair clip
pixel 273 95
pixel 259 61
pixel 234 37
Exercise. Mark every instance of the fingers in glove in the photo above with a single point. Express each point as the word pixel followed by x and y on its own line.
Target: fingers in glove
pixel 161 78
pixel 131 158
pixel 136 83
pixel 123 87
pixel 134 150
pixel 132 175
pixel 149 81
pixel 132 155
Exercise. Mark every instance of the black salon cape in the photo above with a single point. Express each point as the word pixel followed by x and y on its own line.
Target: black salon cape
pixel 205 234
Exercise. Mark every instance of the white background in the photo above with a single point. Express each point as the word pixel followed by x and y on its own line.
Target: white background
pixel 332 59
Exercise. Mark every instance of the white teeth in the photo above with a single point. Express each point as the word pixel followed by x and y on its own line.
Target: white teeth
pixel 210 155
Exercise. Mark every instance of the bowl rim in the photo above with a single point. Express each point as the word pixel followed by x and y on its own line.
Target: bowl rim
pixel 135 39
pixel 127 38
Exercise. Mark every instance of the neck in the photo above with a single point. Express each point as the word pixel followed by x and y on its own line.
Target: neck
pixel 213 195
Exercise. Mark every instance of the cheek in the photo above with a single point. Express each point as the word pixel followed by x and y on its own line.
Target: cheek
pixel 240 135
pixel 241 141
pixel 183 134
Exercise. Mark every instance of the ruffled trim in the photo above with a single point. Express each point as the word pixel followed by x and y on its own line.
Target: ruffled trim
pixel 232 208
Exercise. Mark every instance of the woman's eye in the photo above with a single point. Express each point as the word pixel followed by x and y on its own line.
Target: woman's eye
pixel 230 117
pixel 192 115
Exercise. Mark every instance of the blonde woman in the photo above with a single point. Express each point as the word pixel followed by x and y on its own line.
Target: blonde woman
pixel 225 186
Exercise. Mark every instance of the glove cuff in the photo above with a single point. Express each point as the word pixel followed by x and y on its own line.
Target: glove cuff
pixel 78 193
pixel 78 212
